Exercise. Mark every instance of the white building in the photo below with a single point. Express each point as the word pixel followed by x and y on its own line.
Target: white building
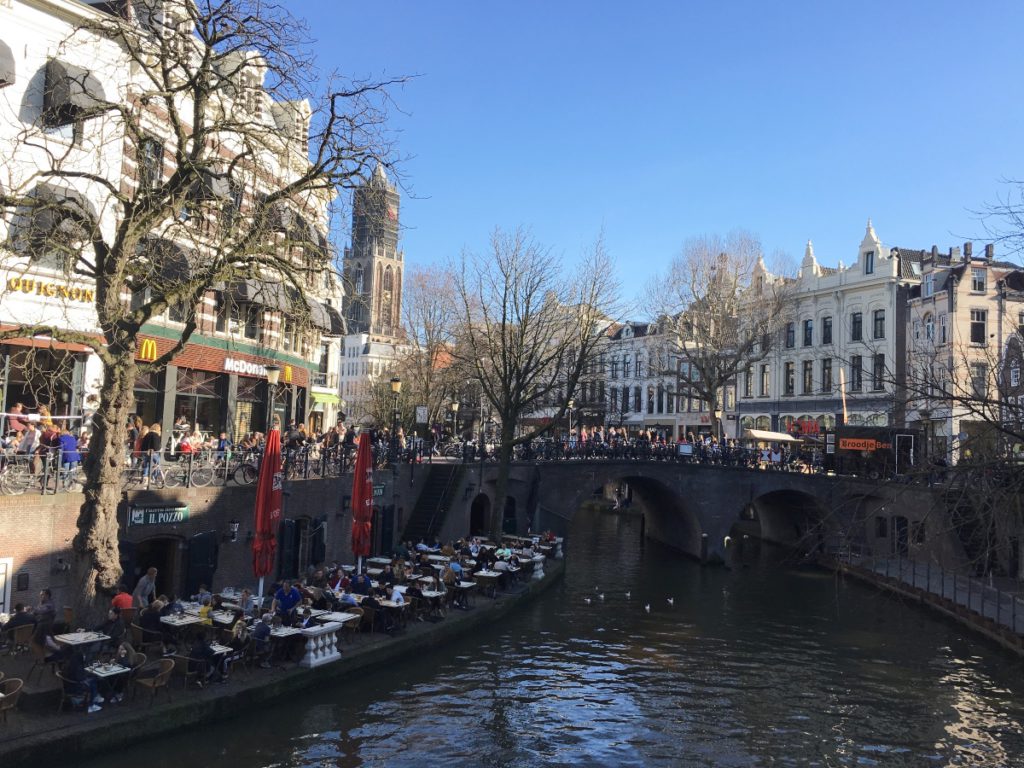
pixel 52 73
pixel 841 349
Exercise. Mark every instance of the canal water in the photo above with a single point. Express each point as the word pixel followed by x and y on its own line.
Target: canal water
pixel 763 664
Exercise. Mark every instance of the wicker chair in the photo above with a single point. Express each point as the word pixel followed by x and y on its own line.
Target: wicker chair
pixel 155 682
pixel 350 628
pixel 11 689
pixel 188 670
pixel 19 638
pixel 74 693
pixel 39 654
pixel 369 619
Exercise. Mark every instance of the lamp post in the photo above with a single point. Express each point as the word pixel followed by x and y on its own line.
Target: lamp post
pixel 455 420
pixel 273 376
pixel 569 407
pixel 396 390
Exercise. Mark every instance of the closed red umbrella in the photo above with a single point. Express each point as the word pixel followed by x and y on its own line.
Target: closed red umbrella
pixel 268 508
pixel 362 498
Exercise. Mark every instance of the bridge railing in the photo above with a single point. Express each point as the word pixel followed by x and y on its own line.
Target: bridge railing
pixel 1004 607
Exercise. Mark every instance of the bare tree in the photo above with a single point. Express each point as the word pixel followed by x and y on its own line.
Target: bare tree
pixel 221 172
pixel 527 329
pixel 426 364
pixel 721 308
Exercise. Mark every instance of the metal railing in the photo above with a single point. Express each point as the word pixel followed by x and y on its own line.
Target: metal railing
pixel 324 380
pixel 1004 607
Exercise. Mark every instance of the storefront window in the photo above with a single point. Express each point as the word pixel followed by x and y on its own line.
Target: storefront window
pixel 201 400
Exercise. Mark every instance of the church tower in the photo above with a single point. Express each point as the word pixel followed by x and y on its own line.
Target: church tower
pixel 373 263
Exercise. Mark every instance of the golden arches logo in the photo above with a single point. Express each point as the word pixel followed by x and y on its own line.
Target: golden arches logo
pixel 147 350
pixel 287 374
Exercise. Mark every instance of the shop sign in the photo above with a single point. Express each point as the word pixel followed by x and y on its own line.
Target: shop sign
pixel 157 515
pixel 421 414
pixel 378 491
pixel 51 290
pixel 147 350
pixel 862 444
pixel 245 367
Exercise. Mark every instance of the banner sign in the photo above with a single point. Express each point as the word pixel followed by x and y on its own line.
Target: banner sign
pixel 157 515
pixel 378 491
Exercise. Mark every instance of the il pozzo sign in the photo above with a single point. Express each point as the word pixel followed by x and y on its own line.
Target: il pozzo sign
pixel 157 515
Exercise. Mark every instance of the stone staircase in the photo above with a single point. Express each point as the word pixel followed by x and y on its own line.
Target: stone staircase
pixel 434 502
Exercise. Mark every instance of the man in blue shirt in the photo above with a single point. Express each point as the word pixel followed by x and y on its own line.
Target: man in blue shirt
pixel 285 600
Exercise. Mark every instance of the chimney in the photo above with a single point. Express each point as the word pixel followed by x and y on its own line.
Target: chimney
pixel 990 251
pixel 935 252
pixel 968 250
pixel 954 253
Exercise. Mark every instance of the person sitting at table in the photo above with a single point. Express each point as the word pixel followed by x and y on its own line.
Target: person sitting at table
pixel 247 603
pixel 172 605
pixel 205 662
pixel 387 575
pixel 456 566
pixel 474 548
pixel 286 599
pixel 239 633
pixel 402 550
pixel 78 682
pixel 337 581
pixel 361 584
pixel 203 592
pixel 396 595
pixel 45 635
pixel 502 552
pixel 527 551
pixel 20 617
pixel 113 627
pixel 448 550
pixel 422 546
pixel 449 577
pixel 123 599
pixel 306 619
pixel 149 620
pixel 347 598
pixel 261 638
pixel 204 612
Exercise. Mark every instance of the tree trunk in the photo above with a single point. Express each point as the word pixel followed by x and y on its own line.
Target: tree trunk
pixel 501 486
pixel 96 561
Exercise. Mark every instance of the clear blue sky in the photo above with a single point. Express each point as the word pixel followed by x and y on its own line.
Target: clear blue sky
pixel 660 121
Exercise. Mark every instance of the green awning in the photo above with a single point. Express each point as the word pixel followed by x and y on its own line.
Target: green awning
pixel 326 398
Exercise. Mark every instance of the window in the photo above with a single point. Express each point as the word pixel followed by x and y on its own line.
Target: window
pixel 917 329
pixel 615 369
pixel 856 373
pixel 1015 375
pixel 1020 323
pixel 826 375
pixel 979 332
pixel 220 312
pixel 881 527
pixel 638 403
pixel 879 329
pixel 625 366
pixel 177 312
pixel 808 332
pixel 613 399
pixel 826 329
pixel 978 279
pixel 639 367
pixel 244 320
pixel 789 383
pixel 790 335
pixel 748 381
pixel 943 335
pixel 869 263
pixel 808 377
pixel 856 327
pixel 929 285
pixel 765 388
pixel 929 327
pixel 151 163
pixel 878 373
pixel 979 380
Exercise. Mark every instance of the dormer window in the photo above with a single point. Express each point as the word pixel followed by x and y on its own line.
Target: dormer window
pixel 252 95
pixel 929 285
pixel 869 262
pixel 978 280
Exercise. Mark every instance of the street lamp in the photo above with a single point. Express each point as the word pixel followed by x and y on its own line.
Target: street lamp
pixel 569 406
pixel 273 376
pixel 396 390
pixel 455 418
pixel 343 405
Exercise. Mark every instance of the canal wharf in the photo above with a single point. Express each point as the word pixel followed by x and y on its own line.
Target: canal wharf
pixel 36 734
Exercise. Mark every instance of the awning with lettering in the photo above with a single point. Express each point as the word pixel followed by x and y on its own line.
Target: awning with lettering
pixel 321 397
pixel 70 92
pixel 769 437
pixel 6 64
pixel 52 219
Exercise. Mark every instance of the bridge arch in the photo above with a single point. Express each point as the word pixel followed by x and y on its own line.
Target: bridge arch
pixel 791 517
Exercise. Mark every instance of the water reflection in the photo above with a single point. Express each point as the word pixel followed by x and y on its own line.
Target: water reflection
pixel 768 664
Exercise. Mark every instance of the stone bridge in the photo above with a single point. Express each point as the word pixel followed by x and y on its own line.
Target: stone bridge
pixel 701 509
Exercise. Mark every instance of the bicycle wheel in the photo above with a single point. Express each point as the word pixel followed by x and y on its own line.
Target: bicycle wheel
pixel 172 479
pixel 201 477
pixel 246 474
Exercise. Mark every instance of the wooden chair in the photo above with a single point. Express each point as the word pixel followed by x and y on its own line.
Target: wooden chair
pixel 11 689
pixel 73 693
pixel 187 669
pixel 369 619
pixel 128 616
pixel 350 628
pixel 69 615
pixel 39 654
pixel 20 637
pixel 154 683
pixel 151 647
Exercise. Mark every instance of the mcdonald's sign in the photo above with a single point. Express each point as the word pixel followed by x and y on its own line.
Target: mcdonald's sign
pixel 147 350
pixel 287 374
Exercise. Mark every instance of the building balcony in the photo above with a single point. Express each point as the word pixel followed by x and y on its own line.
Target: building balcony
pixel 324 380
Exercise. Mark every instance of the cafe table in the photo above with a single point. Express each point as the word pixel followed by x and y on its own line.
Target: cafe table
pixel 180 619
pixel 488 581
pixel 81 638
pixel 107 669
pixel 284 632
pixel 219 649
pixel 397 610
pixel 379 561
pixel 465 589
pixel 338 616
